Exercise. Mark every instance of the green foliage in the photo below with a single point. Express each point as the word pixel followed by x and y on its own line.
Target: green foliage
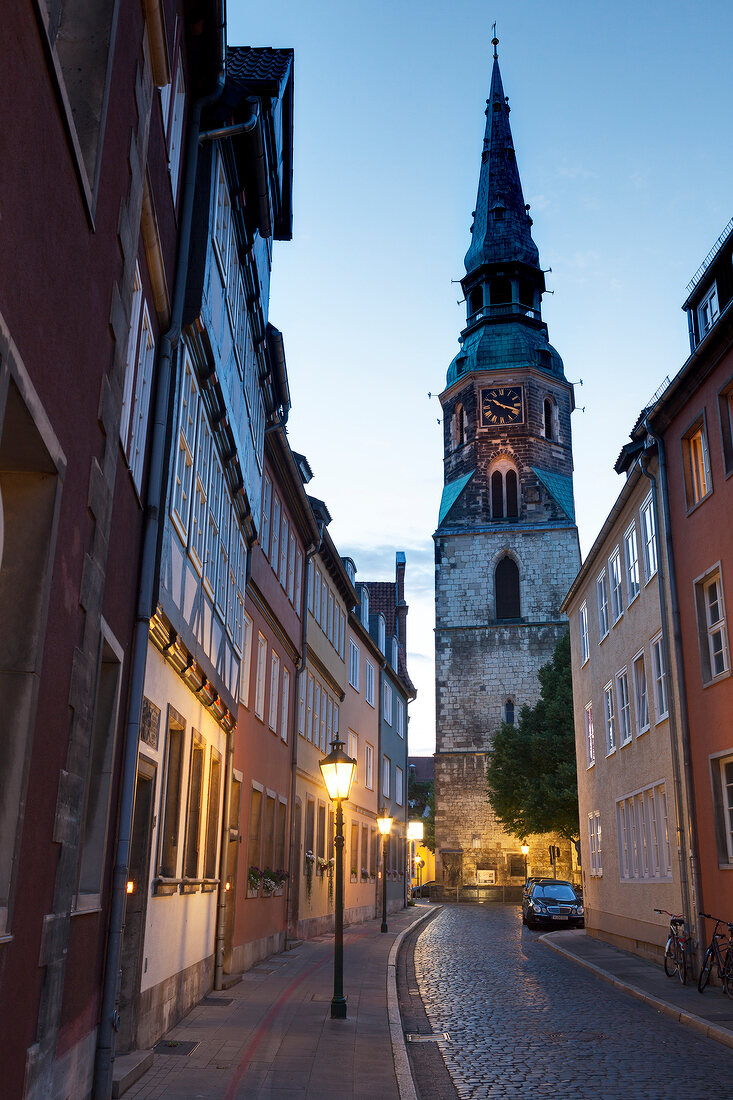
pixel 421 797
pixel 531 776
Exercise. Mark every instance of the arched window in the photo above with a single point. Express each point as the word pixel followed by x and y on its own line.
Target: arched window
pixel 501 291
pixel 504 491
pixel 506 586
pixel 459 436
pixel 475 300
pixel 509 712
pixel 550 413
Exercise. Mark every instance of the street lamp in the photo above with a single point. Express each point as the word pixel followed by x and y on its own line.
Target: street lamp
pixel 525 853
pixel 384 824
pixel 338 772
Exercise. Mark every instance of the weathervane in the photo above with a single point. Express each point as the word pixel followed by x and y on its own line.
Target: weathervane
pixel 495 43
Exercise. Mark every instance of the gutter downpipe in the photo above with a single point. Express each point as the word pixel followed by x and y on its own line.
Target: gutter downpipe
pixel 154 509
pixel 293 860
pixel 695 886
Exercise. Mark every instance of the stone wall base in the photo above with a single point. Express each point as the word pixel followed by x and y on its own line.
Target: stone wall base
pixel 163 1005
pixel 247 955
pixel 73 1072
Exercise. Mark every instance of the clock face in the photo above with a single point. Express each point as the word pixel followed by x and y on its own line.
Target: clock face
pixel 502 405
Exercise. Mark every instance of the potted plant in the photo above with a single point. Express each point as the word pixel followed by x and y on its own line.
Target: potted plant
pixel 310 859
pixel 270 882
pixel 254 881
pixel 354 874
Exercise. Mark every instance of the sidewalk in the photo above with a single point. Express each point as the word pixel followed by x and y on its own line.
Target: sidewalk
pixel 710 1013
pixel 271 1035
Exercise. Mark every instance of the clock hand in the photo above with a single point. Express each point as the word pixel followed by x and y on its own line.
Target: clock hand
pixel 501 405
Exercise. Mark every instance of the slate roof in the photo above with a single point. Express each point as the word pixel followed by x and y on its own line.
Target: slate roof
pixel 262 67
pixel 383 600
pixel 451 493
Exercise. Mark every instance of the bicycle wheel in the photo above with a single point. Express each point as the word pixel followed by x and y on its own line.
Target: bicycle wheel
pixel 681 962
pixel 707 966
pixel 670 958
pixel 727 974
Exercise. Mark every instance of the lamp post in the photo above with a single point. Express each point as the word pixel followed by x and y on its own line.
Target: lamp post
pixel 525 853
pixel 338 772
pixel 384 824
pixel 418 871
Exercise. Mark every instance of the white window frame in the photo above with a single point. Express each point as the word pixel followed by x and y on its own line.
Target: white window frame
pixel 644 843
pixel 708 311
pixel 386 775
pixel 661 685
pixel 369 766
pixel 649 538
pixel 354 664
pixel 387 704
pixel 590 737
pixel 284 704
pixel 399 794
pixel 353 750
pixel 186 435
pixel 584 639
pixel 284 547
pixel 175 130
pixel 696 463
pixel 723 801
pixel 266 506
pixel 261 674
pixel 275 546
pixel 641 697
pixel 274 690
pixel 602 596
pixel 631 548
pixel 624 706
pixel 382 634
pixel 400 712
pixel 594 844
pixel 369 682
pixel 245 667
pixel 713 632
pixel 614 577
pixel 609 713
pixel 365 607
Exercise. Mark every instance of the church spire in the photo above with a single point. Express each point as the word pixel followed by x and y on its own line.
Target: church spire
pixel 501 230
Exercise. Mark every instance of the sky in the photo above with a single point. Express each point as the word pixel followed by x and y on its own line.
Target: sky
pixel 620 119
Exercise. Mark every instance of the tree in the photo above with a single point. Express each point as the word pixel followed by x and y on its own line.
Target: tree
pixel 531 778
pixel 421 800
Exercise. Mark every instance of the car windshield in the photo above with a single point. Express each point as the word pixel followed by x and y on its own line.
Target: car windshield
pixel 554 892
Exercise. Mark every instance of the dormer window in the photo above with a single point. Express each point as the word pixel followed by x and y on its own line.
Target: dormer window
pixel 365 608
pixel 381 634
pixel 394 654
pixel 707 311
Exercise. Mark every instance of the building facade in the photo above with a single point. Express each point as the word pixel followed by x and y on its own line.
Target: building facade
pixel 626 706
pixel 506 546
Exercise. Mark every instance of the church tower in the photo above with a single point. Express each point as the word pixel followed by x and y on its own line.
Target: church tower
pixel 506 547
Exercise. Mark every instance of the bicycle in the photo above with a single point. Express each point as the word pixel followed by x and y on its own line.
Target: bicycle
pixel 675 952
pixel 714 954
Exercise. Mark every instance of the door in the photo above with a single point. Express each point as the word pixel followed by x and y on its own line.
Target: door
pixel 135 907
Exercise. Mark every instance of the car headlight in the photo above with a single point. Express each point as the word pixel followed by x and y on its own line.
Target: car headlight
pixel 578 910
pixel 539 906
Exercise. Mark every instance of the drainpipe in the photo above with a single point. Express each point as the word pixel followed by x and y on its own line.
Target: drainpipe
pixel 312 550
pixel 695 883
pixel 154 510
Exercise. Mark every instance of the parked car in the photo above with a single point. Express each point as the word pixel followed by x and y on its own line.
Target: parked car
pixel 424 890
pixel 550 901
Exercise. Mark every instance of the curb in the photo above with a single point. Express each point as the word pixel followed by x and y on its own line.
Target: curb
pixel 403 1073
pixel 689 1019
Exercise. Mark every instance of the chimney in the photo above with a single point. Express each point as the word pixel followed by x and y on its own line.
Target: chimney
pixel 401 608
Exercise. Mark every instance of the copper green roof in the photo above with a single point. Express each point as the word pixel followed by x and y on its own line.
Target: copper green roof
pixel 560 489
pixel 451 493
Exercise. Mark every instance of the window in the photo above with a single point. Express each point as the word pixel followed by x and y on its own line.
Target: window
pixel 624 706
pixel 386 766
pixel 212 817
pixel 643 835
pixel 309 710
pixel 324 606
pixel 320 849
pixel 364 851
pixel 254 854
pixel 369 767
pixel 707 311
pixel 381 634
pixel 311 581
pixel 316 713
pixel 725 412
pixel 266 506
pixel 614 570
pixel 310 830
pixel 365 607
pixel 550 419
pixel 660 678
pixel 640 694
pixel 174 128
pixel 353 745
pixel 602 593
pixel 590 737
pixel 291 567
pixel 712 631
pixel 354 665
pixel 506 585
pixel 594 841
pixel 696 463
pixel 301 704
pixel 191 860
pixel 284 544
pixel 509 712
pixel 261 673
pixel 246 666
pixel 369 688
pixel 400 718
pixel 281 842
pixel 330 616
pixel 632 564
pixel 398 788
pixel 183 474
pixel 388 703
pixel 722 777
pixel 608 707
pixel 274 689
pixel 138 385
pixel 275 550
pixel 649 537
pixel 223 218
pixel 584 644
pixel 171 809
pixel 285 705
pixel 298 579
pixel 504 492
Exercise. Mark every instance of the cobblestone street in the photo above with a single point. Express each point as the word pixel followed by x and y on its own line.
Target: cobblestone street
pixel 520 1017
